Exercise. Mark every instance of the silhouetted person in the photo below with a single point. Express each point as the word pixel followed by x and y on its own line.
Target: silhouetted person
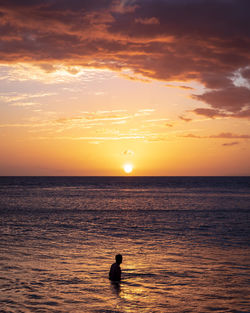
pixel 115 270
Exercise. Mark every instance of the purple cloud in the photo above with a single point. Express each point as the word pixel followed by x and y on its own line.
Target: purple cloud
pixel 206 41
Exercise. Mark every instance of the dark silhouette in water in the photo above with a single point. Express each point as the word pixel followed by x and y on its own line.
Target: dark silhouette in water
pixel 115 270
pixel 116 287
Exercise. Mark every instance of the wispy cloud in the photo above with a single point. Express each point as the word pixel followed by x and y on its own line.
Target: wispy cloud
pixel 114 116
pixel 185 119
pixel 97 138
pixel 85 120
pixel 23 99
pixel 157 120
pixel 24 104
pixel 179 86
pixel 146 110
pixel 219 136
pixel 229 144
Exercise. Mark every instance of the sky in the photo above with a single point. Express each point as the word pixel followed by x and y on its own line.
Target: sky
pixel 88 86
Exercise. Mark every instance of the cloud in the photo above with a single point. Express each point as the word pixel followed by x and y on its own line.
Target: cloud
pixel 146 110
pixel 147 21
pixel 95 121
pixel 58 73
pixel 179 86
pixel 107 135
pixel 115 116
pixel 231 99
pixel 24 104
pixel 128 153
pixel 96 139
pixel 96 117
pixel 169 125
pixel 157 120
pixel 15 98
pixel 217 113
pixel 108 138
pixel 230 135
pixel 246 73
pixel 212 113
pixel 229 144
pixel 164 40
pixel 185 119
pixel 219 136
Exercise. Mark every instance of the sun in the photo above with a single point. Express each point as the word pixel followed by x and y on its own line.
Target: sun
pixel 128 168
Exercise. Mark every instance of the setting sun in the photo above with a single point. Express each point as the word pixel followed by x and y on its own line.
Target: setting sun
pixel 128 168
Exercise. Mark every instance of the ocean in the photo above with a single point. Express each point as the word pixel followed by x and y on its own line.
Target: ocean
pixel 185 243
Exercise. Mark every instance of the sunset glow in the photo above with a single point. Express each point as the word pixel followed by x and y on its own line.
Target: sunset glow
pixel 147 82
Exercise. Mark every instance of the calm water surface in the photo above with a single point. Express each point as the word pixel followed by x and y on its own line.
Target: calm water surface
pixel 184 240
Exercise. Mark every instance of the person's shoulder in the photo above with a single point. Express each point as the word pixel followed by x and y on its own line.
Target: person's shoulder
pixel 113 267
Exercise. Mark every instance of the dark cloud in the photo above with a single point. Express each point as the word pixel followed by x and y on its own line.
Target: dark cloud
pixel 214 113
pixel 232 99
pixel 230 135
pixel 229 144
pixel 246 73
pixel 185 119
pixel 203 40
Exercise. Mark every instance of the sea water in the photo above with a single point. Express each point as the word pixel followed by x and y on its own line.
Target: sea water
pixel 184 241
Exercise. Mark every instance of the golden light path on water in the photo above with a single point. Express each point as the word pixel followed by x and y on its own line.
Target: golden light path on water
pixel 191 279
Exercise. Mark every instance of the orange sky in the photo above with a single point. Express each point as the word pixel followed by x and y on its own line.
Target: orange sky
pixel 85 89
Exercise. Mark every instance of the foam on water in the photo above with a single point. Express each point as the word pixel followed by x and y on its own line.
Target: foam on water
pixel 185 243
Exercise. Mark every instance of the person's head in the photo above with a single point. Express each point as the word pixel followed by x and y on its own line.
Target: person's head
pixel 118 258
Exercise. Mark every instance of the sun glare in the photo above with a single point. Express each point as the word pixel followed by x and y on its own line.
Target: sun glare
pixel 128 168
